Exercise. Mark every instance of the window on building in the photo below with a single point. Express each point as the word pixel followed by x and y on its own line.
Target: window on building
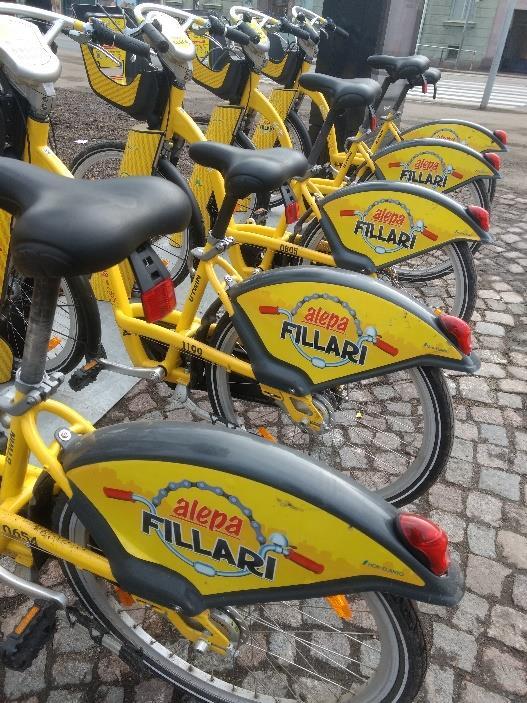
pixel 462 9
pixel 452 52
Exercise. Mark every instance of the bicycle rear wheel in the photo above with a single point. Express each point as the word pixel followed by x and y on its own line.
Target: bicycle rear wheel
pixel 391 433
pixel 71 325
pixel 282 652
pixel 103 160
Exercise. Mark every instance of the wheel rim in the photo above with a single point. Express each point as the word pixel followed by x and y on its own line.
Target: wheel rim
pixel 384 432
pixel 173 250
pixel 298 646
pixel 65 328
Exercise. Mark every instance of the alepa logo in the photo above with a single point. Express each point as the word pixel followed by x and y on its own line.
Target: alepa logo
pixel 387 226
pixel 209 539
pixel 321 331
pixel 426 168
pixel 449 134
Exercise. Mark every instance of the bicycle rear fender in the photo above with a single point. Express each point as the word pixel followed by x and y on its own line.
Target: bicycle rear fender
pixel 188 519
pixel 432 163
pixel 468 133
pixel 385 223
pixel 304 328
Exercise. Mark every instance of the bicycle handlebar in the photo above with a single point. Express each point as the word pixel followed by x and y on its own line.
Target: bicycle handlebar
pixel 102 35
pixel 295 30
pixel 237 13
pixel 246 29
pixel 8 8
pixel 332 27
pixel 141 10
pixel 237 36
pixel 157 39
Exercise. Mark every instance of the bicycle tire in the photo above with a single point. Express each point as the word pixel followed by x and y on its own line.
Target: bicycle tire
pixel 401 677
pixel 462 266
pixel 94 156
pixel 81 337
pixel 226 392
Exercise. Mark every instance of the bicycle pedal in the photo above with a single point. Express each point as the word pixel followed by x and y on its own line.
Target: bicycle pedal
pixel 22 645
pixel 85 375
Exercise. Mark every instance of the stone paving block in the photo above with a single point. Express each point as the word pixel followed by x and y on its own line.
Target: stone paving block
pixel 69 669
pixel 446 497
pixel 485 576
pixel 475 389
pixel 513 547
pixel 494 434
pixel 493 456
pixel 470 693
pixel 509 626
pixel 502 483
pixel 471 613
pixel 439 684
pixel 505 670
pixel 481 540
pixel 510 400
pixel 153 691
pixel 459 472
pixel 459 648
pixel 65 696
pixel 490 328
pixel 484 507
pixel 109 694
pixel 519 591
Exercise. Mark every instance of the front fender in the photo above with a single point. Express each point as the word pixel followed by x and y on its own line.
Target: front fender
pixel 186 520
pixel 433 163
pixel 305 328
pixel 388 222
pixel 461 131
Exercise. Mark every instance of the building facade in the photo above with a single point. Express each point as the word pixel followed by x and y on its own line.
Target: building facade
pixel 464 34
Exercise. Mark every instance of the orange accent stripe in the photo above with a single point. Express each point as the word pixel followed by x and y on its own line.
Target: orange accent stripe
pixel 28 617
pixel 430 235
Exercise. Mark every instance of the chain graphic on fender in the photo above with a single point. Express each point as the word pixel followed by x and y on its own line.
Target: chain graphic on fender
pixel 308 336
pixel 182 533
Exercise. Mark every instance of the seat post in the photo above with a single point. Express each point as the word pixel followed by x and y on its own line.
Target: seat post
pixel 42 313
pixel 219 229
pixel 322 136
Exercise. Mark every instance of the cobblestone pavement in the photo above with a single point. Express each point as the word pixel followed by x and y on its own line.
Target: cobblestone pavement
pixel 478 649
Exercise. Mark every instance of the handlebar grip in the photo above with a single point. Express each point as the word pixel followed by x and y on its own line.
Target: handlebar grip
pixel 294 29
pixel 103 35
pixel 236 36
pixel 157 39
pixel 248 31
pixel 332 27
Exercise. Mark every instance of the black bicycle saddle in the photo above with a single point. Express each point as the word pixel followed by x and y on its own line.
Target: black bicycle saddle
pixel 342 93
pixel 250 171
pixel 400 67
pixel 73 227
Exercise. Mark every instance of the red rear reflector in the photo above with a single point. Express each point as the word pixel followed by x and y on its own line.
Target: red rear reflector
pixel 159 300
pixel 268 309
pixel 424 87
pixel 493 159
pixel 292 212
pixel 458 330
pixel 501 134
pixel 426 538
pixel 373 122
pixel 480 215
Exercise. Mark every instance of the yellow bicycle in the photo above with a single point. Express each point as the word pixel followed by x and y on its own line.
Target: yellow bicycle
pixel 373 227
pixel 24 110
pixel 184 558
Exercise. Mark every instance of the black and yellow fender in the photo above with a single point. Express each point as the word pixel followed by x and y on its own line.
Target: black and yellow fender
pixel 213 517
pixel 376 224
pixel 461 131
pixel 433 163
pixel 304 328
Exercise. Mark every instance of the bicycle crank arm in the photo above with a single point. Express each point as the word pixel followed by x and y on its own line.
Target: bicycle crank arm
pixel 156 373
pixel 35 590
